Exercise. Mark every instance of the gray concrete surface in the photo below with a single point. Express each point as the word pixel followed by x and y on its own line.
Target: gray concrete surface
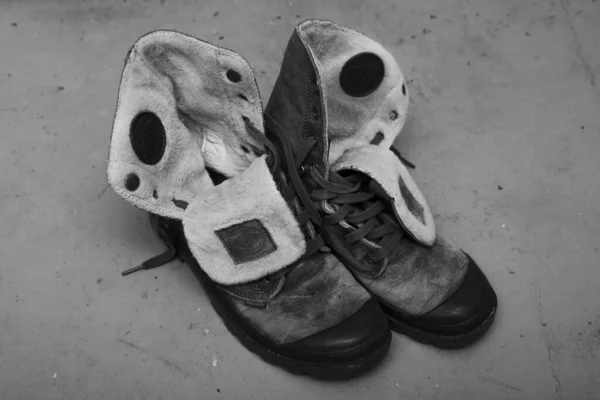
pixel 504 129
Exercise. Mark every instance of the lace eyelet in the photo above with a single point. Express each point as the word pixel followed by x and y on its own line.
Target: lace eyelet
pixel 312 167
pixel 328 208
pixel 315 114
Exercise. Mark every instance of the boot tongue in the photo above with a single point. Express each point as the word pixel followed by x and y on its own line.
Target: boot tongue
pixel 365 94
pixel 243 229
pixel 297 104
pixel 393 184
pixel 180 113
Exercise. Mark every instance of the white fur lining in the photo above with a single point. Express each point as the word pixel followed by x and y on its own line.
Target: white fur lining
pixel 355 121
pixel 385 168
pixel 185 82
pixel 252 195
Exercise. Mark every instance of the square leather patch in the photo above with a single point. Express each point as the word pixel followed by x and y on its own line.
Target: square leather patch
pixel 247 241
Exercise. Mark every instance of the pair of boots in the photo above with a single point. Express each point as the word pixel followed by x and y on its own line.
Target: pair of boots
pixel 302 224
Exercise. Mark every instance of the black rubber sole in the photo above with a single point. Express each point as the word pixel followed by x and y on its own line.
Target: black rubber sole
pixel 441 341
pixel 319 370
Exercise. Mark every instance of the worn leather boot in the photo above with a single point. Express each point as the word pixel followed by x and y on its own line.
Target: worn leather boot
pixel 373 215
pixel 188 147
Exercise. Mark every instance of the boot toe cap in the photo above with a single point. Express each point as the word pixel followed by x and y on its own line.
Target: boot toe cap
pixel 356 338
pixel 459 321
pixel 466 310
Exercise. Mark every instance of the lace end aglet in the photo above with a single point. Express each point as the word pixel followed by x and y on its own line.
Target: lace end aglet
pixel 132 270
pixel 408 163
pixel 403 160
pixel 154 262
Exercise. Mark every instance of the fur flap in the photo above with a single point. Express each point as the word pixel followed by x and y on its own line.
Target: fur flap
pixel 192 98
pixel 243 230
pixel 356 120
pixel 393 181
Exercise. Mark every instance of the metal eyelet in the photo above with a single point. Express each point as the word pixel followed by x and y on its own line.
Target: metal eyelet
pixel 328 208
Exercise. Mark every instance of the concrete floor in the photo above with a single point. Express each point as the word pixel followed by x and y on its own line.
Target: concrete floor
pixel 504 129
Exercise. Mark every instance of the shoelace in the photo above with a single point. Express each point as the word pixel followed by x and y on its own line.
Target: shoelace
pixel 349 202
pixel 162 259
pixel 286 170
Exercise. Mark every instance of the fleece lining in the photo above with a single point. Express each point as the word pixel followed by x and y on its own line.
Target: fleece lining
pixel 392 178
pixel 200 93
pixel 250 198
pixel 355 121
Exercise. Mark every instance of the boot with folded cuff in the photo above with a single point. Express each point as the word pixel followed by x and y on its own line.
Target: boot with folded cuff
pixel 188 147
pixel 374 217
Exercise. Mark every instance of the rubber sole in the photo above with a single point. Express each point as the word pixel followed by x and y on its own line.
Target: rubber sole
pixel 441 341
pixel 319 370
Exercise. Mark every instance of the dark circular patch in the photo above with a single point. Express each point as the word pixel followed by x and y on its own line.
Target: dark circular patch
pixel 148 138
pixel 233 76
pixel 132 182
pixel 362 75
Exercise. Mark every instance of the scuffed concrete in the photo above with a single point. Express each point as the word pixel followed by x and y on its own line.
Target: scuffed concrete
pixel 504 130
